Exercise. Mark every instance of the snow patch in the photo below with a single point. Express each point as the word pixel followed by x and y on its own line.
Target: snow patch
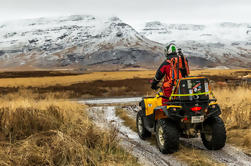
pixel 111 100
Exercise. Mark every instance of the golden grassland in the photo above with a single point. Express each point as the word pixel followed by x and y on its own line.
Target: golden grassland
pixel 222 72
pixel 49 131
pixel 121 75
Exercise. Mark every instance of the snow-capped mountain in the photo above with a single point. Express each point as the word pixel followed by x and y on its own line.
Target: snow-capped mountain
pixel 224 44
pixel 81 41
pixel 89 42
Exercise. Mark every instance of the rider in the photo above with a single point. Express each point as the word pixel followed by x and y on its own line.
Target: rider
pixel 174 67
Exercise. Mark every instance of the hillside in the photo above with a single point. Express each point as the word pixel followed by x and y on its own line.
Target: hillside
pixel 223 44
pixel 75 41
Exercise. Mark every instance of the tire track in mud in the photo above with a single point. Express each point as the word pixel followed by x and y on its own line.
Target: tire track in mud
pixel 149 154
pixel 229 155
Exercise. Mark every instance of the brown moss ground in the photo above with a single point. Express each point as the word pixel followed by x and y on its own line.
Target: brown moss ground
pixel 53 78
pixel 29 74
pixel 99 88
pixel 103 84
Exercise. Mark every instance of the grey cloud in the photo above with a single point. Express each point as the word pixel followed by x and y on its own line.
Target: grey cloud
pixel 133 11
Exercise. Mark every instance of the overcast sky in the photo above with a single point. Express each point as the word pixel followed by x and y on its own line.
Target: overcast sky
pixel 133 11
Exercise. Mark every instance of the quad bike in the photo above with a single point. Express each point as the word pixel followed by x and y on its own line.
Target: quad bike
pixel 188 112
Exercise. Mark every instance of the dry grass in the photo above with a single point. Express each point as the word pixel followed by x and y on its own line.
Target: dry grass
pixel 193 157
pixel 240 138
pixel 49 131
pixel 235 73
pixel 236 106
pixel 236 113
pixel 127 120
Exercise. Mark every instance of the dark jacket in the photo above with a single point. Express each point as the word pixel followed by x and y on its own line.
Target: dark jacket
pixel 165 68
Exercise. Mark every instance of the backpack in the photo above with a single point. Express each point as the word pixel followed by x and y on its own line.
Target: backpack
pixel 184 66
pixel 179 69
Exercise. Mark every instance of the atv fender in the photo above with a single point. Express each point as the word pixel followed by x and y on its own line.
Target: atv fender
pixel 160 112
pixel 148 120
pixel 142 105
pixel 171 111
pixel 161 109
pixel 213 110
pixel 166 112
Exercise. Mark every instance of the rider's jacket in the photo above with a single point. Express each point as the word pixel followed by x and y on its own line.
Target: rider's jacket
pixel 173 68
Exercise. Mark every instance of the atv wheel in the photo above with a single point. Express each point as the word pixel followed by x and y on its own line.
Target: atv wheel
pixel 142 131
pixel 167 136
pixel 214 134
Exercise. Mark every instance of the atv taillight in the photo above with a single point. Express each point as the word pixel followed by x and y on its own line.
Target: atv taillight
pixel 195 109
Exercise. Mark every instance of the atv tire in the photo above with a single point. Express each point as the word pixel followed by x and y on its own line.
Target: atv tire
pixel 142 131
pixel 214 135
pixel 167 136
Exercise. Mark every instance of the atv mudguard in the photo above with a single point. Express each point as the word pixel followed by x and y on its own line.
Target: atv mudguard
pixel 160 112
pixel 213 112
pixel 148 120
pixel 171 112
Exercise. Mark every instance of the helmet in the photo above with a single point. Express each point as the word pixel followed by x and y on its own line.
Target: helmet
pixel 170 49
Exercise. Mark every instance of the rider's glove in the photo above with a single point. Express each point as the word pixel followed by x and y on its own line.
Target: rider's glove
pixel 154 85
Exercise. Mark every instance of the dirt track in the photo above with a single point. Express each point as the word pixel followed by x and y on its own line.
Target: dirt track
pixel 147 153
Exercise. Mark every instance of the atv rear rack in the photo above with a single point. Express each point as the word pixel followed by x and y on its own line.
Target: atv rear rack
pixel 189 102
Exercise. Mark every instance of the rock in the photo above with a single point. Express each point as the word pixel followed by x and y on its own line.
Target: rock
pixel 119 34
pixel 2 52
pixel 33 41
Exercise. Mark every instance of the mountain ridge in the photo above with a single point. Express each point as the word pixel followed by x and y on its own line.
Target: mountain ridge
pixel 92 43
pixel 225 44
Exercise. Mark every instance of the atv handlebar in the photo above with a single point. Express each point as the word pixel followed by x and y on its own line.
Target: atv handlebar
pixel 157 87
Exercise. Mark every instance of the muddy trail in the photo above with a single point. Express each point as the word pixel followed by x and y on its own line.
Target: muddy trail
pixel 102 111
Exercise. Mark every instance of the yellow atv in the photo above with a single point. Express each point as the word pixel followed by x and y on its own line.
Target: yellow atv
pixel 188 112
